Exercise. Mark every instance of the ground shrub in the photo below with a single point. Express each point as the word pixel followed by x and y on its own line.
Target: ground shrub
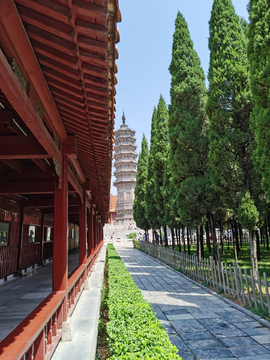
pixel 133 329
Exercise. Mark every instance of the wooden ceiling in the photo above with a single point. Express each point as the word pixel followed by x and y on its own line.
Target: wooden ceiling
pixel 74 52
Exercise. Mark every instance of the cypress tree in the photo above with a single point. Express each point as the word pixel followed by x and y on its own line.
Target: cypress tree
pixel 188 129
pixel 139 213
pixel 150 206
pixel 229 105
pixel 259 60
pixel 161 145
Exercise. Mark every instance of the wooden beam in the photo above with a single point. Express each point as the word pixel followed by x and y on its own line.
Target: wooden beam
pixel 21 147
pixel 14 164
pixel 69 147
pixel 13 26
pixel 34 187
pixel 22 104
pixel 49 202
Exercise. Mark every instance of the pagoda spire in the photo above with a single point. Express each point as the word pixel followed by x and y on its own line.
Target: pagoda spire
pixel 124 118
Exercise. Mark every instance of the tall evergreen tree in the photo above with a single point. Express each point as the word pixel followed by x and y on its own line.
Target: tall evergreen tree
pixel 259 60
pixel 139 213
pixel 150 185
pixel 229 105
pixel 161 145
pixel 188 128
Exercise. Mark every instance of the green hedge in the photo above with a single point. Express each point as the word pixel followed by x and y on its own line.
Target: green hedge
pixel 133 329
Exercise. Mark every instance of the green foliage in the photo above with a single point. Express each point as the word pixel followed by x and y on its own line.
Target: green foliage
pixel 161 144
pixel 187 126
pixel 247 211
pixel 135 243
pixel 259 60
pixel 134 331
pixel 150 185
pixel 229 104
pixel 139 204
pixel 132 236
pixel 260 311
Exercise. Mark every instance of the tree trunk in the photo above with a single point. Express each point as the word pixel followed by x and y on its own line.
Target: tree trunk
pixel 173 245
pixel 258 245
pixel 184 242
pixel 266 235
pixel 221 236
pixel 253 253
pixel 160 239
pixel 188 244
pixel 201 242
pixel 240 234
pixel 199 252
pixel 236 237
pixel 261 235
pixel 165 235
pixel 215 244
pixel 207 236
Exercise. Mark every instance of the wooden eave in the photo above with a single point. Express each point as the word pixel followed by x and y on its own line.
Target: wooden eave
pixel 74 48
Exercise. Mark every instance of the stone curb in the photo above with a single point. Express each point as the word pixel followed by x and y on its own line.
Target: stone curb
pixel 229 302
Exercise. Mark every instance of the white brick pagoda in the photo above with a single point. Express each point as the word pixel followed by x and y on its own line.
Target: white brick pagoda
pixel 125 172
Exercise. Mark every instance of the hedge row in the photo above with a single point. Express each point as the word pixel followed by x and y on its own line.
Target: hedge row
pixel 133 329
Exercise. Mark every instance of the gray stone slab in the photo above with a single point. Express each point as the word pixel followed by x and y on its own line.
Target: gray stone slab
pixel 262 339
pixel 176 311
pixel 168 326
pixel 205 335
pixel 178 342
pixel 257 331
pixel 238 341
pixel 212 353
pixel 249 351
pixel 203 344
pixel 245 325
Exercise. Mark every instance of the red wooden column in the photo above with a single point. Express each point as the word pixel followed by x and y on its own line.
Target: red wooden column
pixel 90 237
pixel 60 249
pixel 42 240
pixel 82 231
pixel 95 232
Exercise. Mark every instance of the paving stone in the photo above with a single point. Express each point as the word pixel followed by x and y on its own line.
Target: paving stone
pixel 205 335
pixel 248 351
pixel 257 331
pixel 212 353
pixel 245 325
pixel 203 344
pixel 178 342
pixel 238 341
pixel 262 339
pixel 167 326
pixel 175 311
pixel 180 317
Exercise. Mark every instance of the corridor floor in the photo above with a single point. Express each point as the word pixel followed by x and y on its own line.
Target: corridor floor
pixel 199 324
pixel 21 295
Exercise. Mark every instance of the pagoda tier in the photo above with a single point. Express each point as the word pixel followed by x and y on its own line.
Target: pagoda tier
pixel 125 171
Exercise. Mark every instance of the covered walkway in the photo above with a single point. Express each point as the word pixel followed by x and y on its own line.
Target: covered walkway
pixel 200 325
pixel 21 295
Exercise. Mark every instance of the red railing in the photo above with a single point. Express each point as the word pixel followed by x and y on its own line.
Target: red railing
pixel 30 255
pixel 47 250
pixel 8 260
pixel 37 336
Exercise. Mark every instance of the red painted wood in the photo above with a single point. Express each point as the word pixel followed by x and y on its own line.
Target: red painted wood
pixel 82 231
pixel 10 20
pixel 21 103
pixel 90 233
pixel 60 231
pixel 17 343
pixel 18 147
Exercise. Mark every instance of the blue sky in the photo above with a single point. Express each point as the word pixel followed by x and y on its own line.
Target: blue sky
pixel 145 50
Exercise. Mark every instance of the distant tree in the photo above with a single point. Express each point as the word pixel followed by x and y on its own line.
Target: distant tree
pixel 188 130
pixel 150 205
pixel 229 105
pixel 139 213
pixel 161 145
pixel 259 60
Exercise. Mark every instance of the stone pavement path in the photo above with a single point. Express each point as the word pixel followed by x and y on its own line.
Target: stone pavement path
pixel 199 324
pixel 20 296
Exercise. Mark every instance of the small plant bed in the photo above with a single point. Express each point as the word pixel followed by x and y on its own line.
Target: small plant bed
pixel 103 351
pixel 133 329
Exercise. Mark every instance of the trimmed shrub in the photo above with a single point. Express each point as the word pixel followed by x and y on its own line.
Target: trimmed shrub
pixel 133 329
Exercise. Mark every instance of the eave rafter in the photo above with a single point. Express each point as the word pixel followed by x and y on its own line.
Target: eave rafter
pixel 74 43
